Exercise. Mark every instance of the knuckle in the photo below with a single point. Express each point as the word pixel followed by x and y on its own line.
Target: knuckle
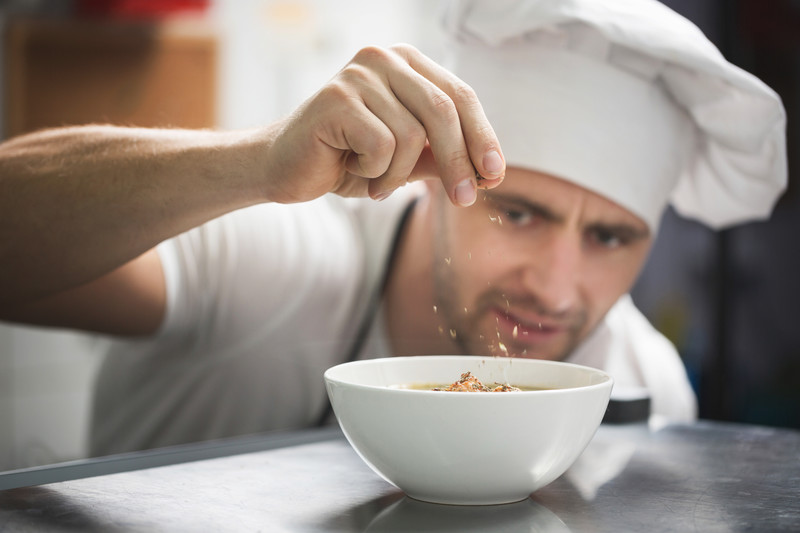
pixel 413 135
pixel 444 105
pixel 455 162
pixel 377 154
pixel 465 95
pixel 384 144
pixel 356 74
pixel 404 49
pixel 370 55
pixel 336 89
pixel 483 137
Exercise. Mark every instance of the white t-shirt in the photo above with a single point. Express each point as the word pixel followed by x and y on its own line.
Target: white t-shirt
pixel 261 301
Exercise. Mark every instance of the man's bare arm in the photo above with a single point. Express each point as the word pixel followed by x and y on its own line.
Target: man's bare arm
pixel 129 300
pixel 81 208
pixel 77 203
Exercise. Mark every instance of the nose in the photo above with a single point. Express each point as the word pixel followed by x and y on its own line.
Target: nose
pixel 552 273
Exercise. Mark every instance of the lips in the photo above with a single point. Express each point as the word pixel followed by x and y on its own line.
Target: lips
pixel 530 333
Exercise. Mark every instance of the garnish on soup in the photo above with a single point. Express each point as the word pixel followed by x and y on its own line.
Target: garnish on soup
pixel 469 383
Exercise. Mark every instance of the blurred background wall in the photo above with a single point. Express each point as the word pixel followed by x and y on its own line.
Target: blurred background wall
pixel 184 63
pixel 727 300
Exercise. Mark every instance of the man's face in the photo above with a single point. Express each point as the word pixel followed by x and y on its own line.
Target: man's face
pixel 533 266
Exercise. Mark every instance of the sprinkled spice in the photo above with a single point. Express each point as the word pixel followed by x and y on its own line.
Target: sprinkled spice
pixel 469 383
pixel 502 348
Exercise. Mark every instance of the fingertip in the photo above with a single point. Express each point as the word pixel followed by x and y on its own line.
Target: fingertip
pixel 489 183
pixel 466 192
pixel 493 164
pixel 382 196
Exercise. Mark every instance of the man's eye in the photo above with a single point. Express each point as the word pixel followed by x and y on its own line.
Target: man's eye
pixel 606 239
pixel 518 217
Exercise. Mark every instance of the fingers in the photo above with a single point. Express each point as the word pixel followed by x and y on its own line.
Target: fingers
pixel 381 137
pixel 410 138
pixel 371 141
pixel 408 109
pixel 461 138
pixel 404 134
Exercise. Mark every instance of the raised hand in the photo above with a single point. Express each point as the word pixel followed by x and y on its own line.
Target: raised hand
pixel 390 116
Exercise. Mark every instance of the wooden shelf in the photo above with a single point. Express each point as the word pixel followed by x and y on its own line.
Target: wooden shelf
pixel 154 74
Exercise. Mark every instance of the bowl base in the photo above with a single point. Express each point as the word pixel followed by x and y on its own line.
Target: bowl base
pixel 468 501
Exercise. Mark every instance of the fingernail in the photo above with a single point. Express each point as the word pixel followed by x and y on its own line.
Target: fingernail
pixel 490 183
pixel 492 162
pixel 383 195
pixel 466 193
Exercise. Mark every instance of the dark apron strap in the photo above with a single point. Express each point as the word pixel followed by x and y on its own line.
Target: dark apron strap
pixel 372 306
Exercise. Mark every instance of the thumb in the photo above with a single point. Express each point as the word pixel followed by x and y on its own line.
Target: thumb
pixel 426 169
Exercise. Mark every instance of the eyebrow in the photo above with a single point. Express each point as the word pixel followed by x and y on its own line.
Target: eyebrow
pixel 626 232
pixel 536 208
pixel 622 230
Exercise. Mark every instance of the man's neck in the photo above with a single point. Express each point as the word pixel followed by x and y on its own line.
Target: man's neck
pixel 411 321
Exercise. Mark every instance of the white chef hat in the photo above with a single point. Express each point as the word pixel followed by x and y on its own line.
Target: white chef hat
pixel 625 98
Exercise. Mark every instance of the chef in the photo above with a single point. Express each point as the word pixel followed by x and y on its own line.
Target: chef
pixel 629 101
pixel 229 279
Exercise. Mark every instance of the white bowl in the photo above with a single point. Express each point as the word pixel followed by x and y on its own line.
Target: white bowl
pixel 476 448
pixel 409 514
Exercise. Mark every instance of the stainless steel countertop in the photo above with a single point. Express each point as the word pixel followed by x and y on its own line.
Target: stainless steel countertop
pixel 704 477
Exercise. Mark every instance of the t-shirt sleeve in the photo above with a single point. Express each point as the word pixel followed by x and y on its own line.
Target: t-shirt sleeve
pixel 259 269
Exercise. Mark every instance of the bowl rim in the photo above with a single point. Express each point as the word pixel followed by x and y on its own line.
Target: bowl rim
pixel 607 380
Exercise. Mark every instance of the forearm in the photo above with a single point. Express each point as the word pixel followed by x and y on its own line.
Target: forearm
pixel 78 203
pixel 75 203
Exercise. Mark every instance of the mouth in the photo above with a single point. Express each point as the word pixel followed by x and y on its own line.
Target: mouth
pixel 529 335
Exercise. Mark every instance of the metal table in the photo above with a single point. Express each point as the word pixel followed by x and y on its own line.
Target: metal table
pixel 703 477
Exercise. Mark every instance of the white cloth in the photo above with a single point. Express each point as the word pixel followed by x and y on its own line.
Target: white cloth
pixel 639 358
pixel 262 301
pixel 259 303
pixel 626 98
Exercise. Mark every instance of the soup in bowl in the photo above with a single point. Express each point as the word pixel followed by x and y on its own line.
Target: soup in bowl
pixel 468 448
